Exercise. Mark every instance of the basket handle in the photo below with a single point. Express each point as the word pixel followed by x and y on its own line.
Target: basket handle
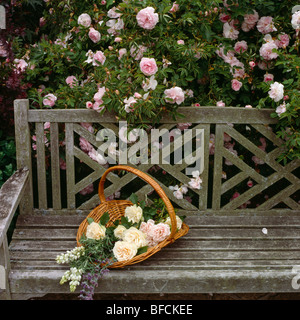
pixel 153 184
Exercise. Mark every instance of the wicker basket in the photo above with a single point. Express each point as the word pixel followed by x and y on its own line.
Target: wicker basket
pixel 116 209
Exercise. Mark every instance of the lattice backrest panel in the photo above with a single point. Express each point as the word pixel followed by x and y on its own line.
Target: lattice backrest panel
pixel 234 149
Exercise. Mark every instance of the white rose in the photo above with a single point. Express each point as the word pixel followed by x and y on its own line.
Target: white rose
pixel 84 20
pixel 95 231
pixel 133 235
pixel 134 213
pixel 119 231
pixel 276 91
pixel 178 221
pixel 124 250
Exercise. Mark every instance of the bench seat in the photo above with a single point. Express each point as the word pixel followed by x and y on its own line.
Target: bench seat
pixel 225 254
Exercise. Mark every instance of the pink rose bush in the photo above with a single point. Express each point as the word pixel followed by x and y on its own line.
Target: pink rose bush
pixel 154 58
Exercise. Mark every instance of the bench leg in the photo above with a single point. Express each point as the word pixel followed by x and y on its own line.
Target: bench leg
pixel 4 271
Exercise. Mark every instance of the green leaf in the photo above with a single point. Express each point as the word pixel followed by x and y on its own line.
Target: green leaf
pixel 142 250
pixel 116 222
pixel 125 222
pixel 133 198
pixel 90 220
pixel 104 219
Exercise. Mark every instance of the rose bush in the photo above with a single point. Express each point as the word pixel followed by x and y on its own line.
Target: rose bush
pixel 150 57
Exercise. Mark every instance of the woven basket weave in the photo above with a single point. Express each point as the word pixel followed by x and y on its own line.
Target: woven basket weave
pixel 116 209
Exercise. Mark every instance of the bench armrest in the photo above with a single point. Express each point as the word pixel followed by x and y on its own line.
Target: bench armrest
pixel 10 195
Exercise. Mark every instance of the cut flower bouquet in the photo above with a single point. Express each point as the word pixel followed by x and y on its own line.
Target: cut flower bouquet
pixel 141 227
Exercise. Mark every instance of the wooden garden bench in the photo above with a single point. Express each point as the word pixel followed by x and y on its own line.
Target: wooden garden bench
pixel 229 248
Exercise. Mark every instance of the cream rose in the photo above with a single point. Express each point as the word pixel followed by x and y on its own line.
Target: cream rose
pixel 178 221
pixel 119 231
pixel 95 231
pixel 133 235
pixel 134 213
pixel 124 250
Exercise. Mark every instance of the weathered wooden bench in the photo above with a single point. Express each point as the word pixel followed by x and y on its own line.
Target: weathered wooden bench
pixel 230 248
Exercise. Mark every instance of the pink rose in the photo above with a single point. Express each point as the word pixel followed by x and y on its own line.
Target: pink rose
pixel 237 69
pixel 296 20
pixel 100 93
pixel 49 100
pixel 220 104
pixel 183 126
pixel 236 85
pixel 160 232
pixel 147 226
pixel 84 20
pixel 85 145
pixel 281 109
pixel 180 41
pixel 87 190
pixel 148 66
pixel 283 40
pixel 268 77
pixel 241 46
pixel 229 31
pixel 252 64
pixel 87 126
pixel 266 51
pixel 62 164
pixel 265 25
pixel 249 21
pixel 98 106
pixel 122 51
pixel 89 105
pixel 129 104
pixel 111 13
pixel 175 7
pixel 251 18
pixel 146 18
pixel 94 35
pixel 42 21
pixel 250 183
pixel 137 52
pixel 98 57
pixel 248 106
pixel 21 65
pixel 235 195
pixel 71 81
pixel 174 95
pixel 224 17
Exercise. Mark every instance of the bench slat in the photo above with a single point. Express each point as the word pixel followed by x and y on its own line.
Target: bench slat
pixel 194 233
pixel 172 254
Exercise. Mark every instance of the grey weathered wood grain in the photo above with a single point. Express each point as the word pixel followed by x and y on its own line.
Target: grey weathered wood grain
pixel 41 165
pixel 70 165
pixel 191 114
pixel 55 166
pixel 10 197
pixel 218 160
pixel 23 150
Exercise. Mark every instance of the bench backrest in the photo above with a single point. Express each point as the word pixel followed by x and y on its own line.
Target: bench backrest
pixel 224 171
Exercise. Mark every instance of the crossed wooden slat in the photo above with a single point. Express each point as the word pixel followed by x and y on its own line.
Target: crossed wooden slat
pixel 246 171
pixel 119 182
